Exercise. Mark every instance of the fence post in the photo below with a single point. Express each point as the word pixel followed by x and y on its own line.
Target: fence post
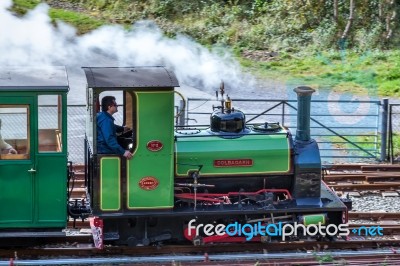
pixel 384 127
pixel 182 114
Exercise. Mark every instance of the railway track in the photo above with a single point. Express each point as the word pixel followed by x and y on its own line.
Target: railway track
pixel 78 240
pixel 388 221
pixel 375 216
pixel 389 227
pixel 369 257
pixel 341 178
pixel 348 177
pixel 76 246
pixel 310 252
pixel 349 252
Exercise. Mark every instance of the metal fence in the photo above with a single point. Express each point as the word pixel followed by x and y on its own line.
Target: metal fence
pixel 342 136
pixel 76 132
pixel 394 133
pixel 347 131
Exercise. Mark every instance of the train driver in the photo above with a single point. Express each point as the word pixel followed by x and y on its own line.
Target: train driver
pixel 4 146
pixel 107 130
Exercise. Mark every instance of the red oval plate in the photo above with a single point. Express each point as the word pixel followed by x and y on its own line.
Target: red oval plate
pixel 154 145
pixel 148 183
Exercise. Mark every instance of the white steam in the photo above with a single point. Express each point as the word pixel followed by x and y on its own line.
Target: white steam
pixel 33 40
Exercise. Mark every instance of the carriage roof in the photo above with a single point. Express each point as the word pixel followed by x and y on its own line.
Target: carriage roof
pixel 130 77
pixel 33 78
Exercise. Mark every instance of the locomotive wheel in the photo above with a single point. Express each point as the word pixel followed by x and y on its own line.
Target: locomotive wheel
pixel 132 241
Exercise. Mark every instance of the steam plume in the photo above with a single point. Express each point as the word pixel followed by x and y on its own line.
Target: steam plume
pixel 33 40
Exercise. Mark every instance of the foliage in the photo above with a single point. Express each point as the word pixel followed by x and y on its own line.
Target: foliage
pixel 306 34
pixel 286 24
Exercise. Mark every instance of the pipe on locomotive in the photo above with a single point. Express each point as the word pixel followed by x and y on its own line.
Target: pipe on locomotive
pixel 303 113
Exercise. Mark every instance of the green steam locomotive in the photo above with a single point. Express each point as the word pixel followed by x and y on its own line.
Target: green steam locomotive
pixel 181 182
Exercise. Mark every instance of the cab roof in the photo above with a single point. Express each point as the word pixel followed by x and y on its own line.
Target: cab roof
pixel 47 78
pixel 130 77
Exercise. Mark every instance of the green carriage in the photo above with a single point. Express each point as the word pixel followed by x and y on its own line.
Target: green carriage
pixel 33 182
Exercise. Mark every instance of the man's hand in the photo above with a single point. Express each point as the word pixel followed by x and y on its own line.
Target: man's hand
pixel 126 129
pixel 128 155
pixel 12 151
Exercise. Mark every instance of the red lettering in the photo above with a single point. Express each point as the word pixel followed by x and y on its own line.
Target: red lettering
pixel 233 162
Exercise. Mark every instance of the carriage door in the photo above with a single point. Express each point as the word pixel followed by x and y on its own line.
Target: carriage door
pixel 51 162
pixel 17 176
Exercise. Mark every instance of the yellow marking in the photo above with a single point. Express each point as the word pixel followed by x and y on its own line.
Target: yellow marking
pixel 119 183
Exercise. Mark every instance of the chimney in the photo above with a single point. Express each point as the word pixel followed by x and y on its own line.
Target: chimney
pixel 303 112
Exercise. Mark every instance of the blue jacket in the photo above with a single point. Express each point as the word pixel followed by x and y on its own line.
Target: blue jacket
pixel 107 134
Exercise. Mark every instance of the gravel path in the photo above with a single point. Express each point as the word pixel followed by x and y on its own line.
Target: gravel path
pixel 375 203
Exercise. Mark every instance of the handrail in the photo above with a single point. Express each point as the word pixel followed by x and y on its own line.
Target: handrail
pixel 342 131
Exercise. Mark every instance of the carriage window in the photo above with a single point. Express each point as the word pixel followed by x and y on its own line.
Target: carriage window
pixel 49 112
pixel 14 132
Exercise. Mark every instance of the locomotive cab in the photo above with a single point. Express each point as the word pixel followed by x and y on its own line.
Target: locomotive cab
pixel 145 97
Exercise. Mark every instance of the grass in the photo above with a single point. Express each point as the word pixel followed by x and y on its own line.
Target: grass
pixel 396 144
pixel 22 6
pixel 81 22
pixel 366 142
pixel 375 72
